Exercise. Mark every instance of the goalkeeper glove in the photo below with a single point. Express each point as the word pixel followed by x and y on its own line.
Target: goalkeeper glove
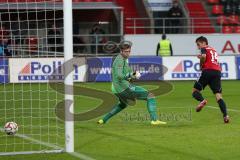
pixel 136 75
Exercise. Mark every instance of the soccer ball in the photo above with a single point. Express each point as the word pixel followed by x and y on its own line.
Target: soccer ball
pixel 11 128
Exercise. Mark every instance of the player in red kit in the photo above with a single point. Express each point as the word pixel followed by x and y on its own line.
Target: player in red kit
pixel 211 75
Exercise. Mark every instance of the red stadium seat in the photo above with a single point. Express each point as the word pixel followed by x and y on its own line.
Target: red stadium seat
pixel 217 9
pixel 9 1
pixel 222 20
pixel 233 19
pixel 227 29
pixel 101 0
pixel 85 0
pixel 93 0
pixel 213 1
pixel 237 29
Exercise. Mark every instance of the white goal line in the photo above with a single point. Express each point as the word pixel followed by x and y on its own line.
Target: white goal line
pixel 57 149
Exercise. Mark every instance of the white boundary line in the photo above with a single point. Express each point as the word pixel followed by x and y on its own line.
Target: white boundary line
pixel 212 107
pixel 59 149
pixel 81 156
pixel 29 152
pixel 162 107
pixel 229 109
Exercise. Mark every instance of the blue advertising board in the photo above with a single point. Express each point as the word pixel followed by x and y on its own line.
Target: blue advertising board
pixel 99 69
pixel 150 67
pixel 238 67
pixel 4 70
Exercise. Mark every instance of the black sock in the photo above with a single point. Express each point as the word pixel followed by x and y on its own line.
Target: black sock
pixel 222 106
pixel 198 96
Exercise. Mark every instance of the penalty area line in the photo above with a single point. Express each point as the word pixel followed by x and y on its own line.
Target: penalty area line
pixel 60 149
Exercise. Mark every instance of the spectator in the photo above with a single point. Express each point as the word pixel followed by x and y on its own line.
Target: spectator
pixel 175 13
pixel 55 39
pixel 97 38
pixel 78 46
pixel 5 41
pixel 4 50
pixel 164 47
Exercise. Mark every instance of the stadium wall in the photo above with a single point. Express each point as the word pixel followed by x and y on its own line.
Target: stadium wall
pixel 40 70
pixel 184 44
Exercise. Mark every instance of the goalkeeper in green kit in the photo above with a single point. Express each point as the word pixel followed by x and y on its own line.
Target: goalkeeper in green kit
pixel 122 75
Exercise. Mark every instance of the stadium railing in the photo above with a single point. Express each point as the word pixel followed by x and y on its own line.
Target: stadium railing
pixel 186 25
pixel 83 45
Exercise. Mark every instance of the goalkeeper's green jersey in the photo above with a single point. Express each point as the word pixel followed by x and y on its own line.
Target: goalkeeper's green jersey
pixel 120 74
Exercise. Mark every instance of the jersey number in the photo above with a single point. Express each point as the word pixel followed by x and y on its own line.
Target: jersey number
pixel 214 56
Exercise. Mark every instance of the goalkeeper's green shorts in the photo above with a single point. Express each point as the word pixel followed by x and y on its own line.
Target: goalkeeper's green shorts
pixel 129 96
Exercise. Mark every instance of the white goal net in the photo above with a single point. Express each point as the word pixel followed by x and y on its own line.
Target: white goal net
pixel 31 47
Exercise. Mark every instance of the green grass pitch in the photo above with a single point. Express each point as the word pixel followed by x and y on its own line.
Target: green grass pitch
pixel 128 136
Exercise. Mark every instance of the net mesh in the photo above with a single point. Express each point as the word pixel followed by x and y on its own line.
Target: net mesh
pixel 30 29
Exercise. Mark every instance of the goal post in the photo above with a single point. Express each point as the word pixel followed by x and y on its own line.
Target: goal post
pixel 68 74
pixel 36 37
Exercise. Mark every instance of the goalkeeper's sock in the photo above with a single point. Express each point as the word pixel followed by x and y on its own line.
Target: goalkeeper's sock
pixel 116 109
pixel 223 107
pixel 152 109
pixel 198 96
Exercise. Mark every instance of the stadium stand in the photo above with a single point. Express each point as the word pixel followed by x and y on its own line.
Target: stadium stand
pixel 213 1
pixel 237 29
pixel 227 29
pixel 217 9
pixel 130 11
pixel 227 12
pixel 212 16
pixel 222 20
pixel 200 17
pixel 104 12
pixel 136 17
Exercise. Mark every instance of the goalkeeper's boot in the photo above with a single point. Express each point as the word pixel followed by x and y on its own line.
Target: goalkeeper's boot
pixel 226 119
pixel 157 122
pixel 100 121
pixel 201 105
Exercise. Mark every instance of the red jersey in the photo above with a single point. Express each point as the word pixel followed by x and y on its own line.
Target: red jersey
pixel 211 61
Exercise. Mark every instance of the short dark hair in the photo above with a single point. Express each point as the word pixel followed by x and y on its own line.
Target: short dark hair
pixel 125 45
pixel 202 39
pixel 164 36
